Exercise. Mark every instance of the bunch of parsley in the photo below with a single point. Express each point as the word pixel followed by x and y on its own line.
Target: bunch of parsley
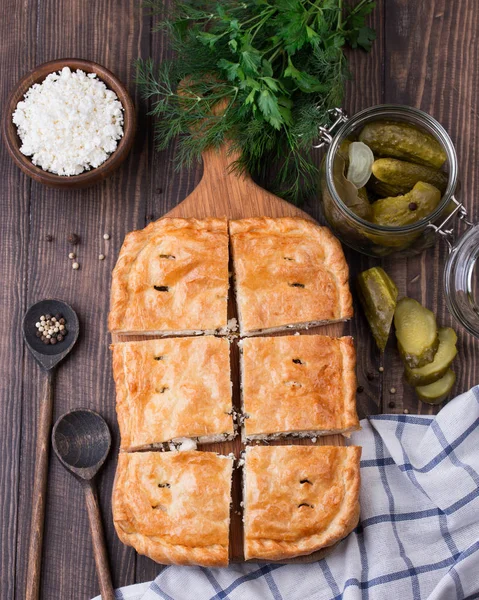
pixel 275 67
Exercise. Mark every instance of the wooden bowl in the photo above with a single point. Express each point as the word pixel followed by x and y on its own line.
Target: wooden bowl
pixel 86 178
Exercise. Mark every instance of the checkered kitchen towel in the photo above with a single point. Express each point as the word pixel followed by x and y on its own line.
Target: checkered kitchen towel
pixel 418 536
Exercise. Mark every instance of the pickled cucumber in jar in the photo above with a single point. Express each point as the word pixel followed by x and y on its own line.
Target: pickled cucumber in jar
pixel 404 141
pixel 398 211
pixel 384 190
pixel 403 175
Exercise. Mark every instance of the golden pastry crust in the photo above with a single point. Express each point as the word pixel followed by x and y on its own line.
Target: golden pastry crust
pixel 172 276
pixel 288 271
pixel 172 388
pixel 174 507
pixel 299 383
pixel 283 517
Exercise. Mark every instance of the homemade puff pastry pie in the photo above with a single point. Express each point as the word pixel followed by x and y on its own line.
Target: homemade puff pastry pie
pixel 174 506
pixel 298 384
pixel 298 499
pixel 172 278
pixel 173 388
pixel 289 272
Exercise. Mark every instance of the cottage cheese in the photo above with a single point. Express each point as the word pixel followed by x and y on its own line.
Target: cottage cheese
pixel 69 123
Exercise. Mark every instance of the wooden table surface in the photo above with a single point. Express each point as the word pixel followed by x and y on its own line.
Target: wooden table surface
pixel 426 55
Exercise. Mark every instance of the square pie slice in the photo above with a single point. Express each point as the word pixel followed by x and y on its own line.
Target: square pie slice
pixel 298 499
pixel 172 278
pixel 298 385
pixel 174 507
pixel 289 272
pixel 172 388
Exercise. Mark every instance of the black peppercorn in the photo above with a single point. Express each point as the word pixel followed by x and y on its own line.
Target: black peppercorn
pixel 391 405
pixel 49 237
pixel 51 329
pixel 370 376
pixel 360 389
pixel 412 206
pixel 73 239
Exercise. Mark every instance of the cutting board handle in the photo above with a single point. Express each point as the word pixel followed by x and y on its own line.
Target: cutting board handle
pixel 218 163
pixel 225 192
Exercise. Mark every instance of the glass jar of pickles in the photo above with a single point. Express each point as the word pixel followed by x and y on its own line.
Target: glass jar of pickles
pixel 387 187
pixel 407 188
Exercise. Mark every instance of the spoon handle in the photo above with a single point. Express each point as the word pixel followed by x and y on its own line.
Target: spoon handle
pixel 39 496
pixel 98 538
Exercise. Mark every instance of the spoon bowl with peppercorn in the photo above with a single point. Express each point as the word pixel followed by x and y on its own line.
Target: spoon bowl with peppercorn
pixel 50 330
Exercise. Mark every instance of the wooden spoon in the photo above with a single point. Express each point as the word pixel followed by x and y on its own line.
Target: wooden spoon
pixel 81 440
pixel 48 357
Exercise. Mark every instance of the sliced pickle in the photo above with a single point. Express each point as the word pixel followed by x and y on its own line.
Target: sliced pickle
pixel 416 332
pixel 443 358
pixel 353 198
pixel 361 160
pixel 404 141
pixel 437 392
pixel 404 210
pixel 378 296
pixel 403 174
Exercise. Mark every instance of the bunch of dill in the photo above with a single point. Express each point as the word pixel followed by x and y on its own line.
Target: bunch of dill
pixel 275 67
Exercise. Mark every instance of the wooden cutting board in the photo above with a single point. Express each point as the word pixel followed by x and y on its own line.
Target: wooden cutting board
pixel 223 193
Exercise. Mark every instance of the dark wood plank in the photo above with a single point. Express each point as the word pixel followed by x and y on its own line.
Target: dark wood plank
pixel 430 62
pixel 113 34
pixel 17 31
pixel 366 88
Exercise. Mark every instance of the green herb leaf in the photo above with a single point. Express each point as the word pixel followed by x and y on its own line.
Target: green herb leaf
pixel 305 82
pixel 362 38
pixel 233 70
pixel 268 104
pixel 357 33
pixel 250 61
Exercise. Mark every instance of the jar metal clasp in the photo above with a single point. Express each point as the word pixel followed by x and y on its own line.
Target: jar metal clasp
pixel 326 134
pixel 448 233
